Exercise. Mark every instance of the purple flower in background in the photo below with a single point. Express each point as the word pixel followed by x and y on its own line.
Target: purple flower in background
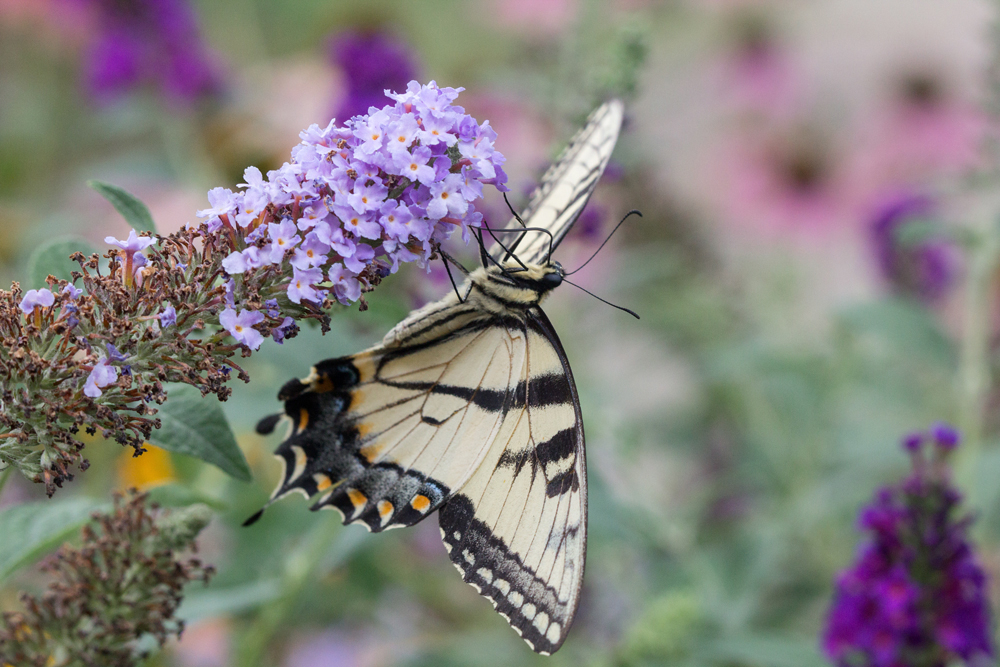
pixel 153 42
pixel 73 291
pixel 133 247
pixel 916 594
pixel 372 63
pixel 34 298
pixel 113 353
pixel 168 316
pixel 923 268
pixel 101 376
pixel 241 326
pixel 302 285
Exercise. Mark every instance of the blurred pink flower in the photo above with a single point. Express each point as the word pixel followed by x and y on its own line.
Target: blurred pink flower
pixel 333 648
pixel 537 17
pixel 55 23
pixel 797 183
pixel 524 135
pixel 204 644
pixel 757 72
pixel 925 130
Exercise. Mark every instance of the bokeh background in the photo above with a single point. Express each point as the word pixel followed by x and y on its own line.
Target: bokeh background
pixel 815 269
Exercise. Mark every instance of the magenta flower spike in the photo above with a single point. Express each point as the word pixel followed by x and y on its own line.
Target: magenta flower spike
pixel 916 593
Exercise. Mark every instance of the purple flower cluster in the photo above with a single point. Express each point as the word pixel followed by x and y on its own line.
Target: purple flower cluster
pixel 924 269
pixel 149 41
pixel 371 64
pixel 355 201
pixel 916 594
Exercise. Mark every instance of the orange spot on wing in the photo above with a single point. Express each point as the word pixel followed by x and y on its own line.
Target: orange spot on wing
pixel 322 384
pixel 357 498
pixel 322 482
pixel 303 419
pixel 370 452
pixel 420 503
pixel 357 398
pixel 384 508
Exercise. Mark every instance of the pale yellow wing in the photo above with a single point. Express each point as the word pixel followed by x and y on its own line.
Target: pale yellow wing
pixel 517 528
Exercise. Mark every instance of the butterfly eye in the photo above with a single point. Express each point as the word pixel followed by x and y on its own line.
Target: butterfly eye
pixel 551 280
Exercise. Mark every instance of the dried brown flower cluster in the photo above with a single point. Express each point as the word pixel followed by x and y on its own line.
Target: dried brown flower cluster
pixel 123 583
pixel 48 355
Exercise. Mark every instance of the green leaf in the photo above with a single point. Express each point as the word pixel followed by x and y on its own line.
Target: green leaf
pixel 177 495
pixel 212 602
pixel 765 651
pixel 196 426
pixel 134 211
pixel 32 529
pixel 52 258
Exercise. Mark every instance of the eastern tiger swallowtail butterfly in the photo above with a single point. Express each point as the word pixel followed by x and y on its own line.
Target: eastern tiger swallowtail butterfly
pixel 468 407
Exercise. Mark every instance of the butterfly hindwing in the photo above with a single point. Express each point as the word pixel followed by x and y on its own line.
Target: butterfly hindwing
pixel 517 529
pixel 388 434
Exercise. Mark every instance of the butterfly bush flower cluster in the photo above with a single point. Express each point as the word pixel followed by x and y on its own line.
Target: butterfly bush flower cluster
pixel 123 583
pixel 916 594
pixel 356 201
pixel 94 354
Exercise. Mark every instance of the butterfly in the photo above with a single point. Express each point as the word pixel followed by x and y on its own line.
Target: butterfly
pixel 468 407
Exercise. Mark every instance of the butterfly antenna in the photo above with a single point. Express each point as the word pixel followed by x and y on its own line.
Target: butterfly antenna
pixel 517 217
pixel 526 229
pixel 627 216
pixel 630 312
pixel 482 247
pixel 446 258
pixel 509 254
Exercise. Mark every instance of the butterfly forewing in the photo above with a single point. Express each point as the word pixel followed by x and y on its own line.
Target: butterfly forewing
pixel 566 186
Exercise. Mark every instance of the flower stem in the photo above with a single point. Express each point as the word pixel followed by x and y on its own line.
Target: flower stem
pixel 4 476
pixel 974 373
pixel 299 569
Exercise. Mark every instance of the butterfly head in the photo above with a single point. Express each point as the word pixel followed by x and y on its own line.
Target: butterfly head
pixel 517 285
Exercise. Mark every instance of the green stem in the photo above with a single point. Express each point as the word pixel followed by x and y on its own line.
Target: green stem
pixel 298 573
pixel 184 152
pixel 5 475
pixel 974 370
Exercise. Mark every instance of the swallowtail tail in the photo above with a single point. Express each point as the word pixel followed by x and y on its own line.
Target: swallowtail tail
pixel 468 408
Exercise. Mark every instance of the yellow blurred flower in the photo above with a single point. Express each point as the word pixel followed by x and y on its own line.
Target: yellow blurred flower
pixel 152 468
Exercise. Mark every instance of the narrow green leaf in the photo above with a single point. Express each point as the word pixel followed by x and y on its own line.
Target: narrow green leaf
pixel 52 258
pixel 211 602
pixel 32 529
pixel 177 495
pixel 134 211
pixel 765 651
pixel 196 426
